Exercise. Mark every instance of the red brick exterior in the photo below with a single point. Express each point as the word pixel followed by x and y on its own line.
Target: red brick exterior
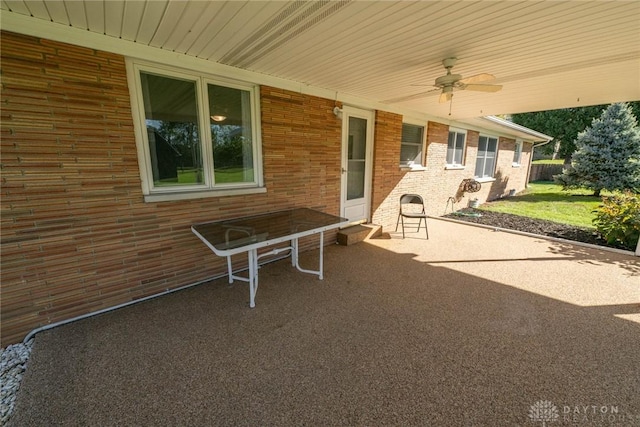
pixel 77 236
pixel 436 183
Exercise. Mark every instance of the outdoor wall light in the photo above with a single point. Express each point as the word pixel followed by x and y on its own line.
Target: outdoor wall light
pixel 218 118
pixel 337 111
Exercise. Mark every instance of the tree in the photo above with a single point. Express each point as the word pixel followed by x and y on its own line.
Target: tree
pixel 607 153
pixel 564 125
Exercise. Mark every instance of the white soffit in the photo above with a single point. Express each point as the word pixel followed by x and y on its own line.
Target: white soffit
pixel 546 55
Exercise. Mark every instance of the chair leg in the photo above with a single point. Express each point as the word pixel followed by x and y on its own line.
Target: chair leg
pixel 402 220
pixel 426 229
pixel 397 222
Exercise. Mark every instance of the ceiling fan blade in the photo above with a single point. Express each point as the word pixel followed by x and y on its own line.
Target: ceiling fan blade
pixel 445 97
pixel 478 78
pixel 483 88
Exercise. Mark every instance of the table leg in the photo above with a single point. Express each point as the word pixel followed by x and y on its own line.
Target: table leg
pixel 295 259
pixel 253 276
pixel 321 255
pixel 294 253
pixel 229 268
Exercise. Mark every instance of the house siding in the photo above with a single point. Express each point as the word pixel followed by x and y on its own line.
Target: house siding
pixel 435 183
pixel 77 236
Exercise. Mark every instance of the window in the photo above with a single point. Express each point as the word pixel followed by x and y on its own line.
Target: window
pixel 455 147
pixel 486 161
pixel 411 145
pixel 199 133
pixel 517 153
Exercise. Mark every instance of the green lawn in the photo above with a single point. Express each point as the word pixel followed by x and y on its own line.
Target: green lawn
pixel 194 176
pixel 232 175
pixel 547 200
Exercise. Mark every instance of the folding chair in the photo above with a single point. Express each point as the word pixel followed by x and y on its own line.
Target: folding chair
pixel 412 206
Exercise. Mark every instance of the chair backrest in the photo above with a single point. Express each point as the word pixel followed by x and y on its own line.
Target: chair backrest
pixel 411 199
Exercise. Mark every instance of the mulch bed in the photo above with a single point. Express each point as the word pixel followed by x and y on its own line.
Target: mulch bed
pixel 531 225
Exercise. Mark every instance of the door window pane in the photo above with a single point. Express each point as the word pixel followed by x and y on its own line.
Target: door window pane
pixel 171 118
pixel 355 179
pixel 231 134
pixel 356 154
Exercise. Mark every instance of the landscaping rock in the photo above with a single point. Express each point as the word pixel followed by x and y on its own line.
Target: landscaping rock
pixel 13 363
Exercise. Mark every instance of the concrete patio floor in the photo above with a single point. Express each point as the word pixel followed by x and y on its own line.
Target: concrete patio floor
pixel 469 328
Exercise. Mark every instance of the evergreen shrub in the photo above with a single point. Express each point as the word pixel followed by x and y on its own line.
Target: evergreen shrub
pixel 618 219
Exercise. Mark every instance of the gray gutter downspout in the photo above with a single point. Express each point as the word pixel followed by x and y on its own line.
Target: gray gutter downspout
pixel 540 144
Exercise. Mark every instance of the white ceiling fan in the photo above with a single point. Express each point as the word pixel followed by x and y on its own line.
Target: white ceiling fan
pixel 449 82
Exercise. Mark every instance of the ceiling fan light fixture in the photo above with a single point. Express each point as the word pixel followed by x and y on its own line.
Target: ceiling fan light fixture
pixel 218 118
pixel 450 81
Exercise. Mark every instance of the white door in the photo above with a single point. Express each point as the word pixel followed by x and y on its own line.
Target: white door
pixel 357 149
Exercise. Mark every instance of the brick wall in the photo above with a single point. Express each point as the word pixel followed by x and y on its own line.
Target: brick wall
pixel 436 184
pixel 76 234
pixel 387 174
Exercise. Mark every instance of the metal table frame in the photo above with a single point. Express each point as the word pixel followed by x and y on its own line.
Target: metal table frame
pixel 251 241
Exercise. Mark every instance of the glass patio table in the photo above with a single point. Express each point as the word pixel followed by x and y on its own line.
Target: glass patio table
pixel 249 234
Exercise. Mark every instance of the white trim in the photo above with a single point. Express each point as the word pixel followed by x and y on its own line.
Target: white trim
pixel 208 188
pixel 495 159
pixel 369 116
pixel 538 136
pixel 22 24
pixel 501 128
pixel 137 127
pixel 35 27
pixel 519 143
pixel 454 166
pixel 423 155
pixel 485 179
pixel 190 195
pixel 413 168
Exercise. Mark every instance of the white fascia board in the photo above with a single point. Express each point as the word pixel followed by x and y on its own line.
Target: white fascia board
pixel 528 134
pixel 503 128
pixel 27 25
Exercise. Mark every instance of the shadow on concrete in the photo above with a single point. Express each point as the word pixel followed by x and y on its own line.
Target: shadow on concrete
pixel 385 339
pixel 586 255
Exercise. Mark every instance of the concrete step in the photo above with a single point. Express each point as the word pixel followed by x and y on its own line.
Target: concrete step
pixel 357 233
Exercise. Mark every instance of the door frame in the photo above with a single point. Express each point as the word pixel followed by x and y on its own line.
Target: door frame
pixel 369 116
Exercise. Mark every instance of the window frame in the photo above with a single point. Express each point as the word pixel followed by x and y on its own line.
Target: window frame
pixel 416 123
pixel 208 188
pixel 495 159
pixel 453 165
pixel 517 153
